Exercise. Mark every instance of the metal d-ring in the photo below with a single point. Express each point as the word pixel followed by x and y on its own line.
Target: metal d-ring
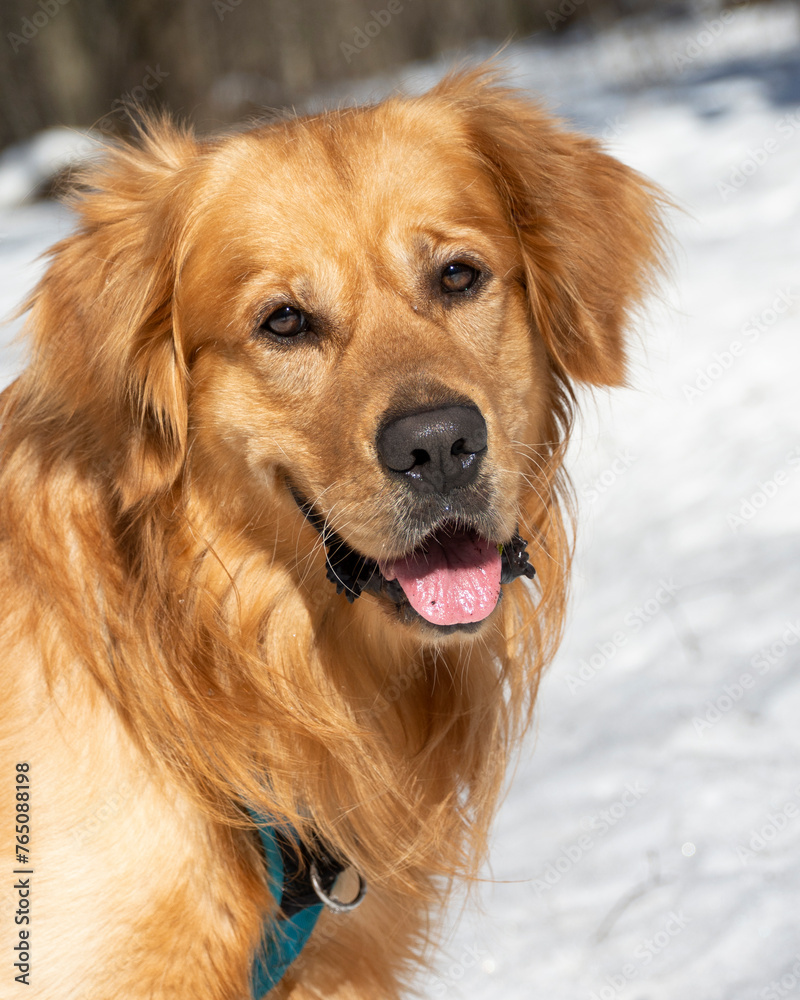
pixel 336 905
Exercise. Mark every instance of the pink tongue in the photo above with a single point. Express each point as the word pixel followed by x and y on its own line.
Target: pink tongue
pixel 454 580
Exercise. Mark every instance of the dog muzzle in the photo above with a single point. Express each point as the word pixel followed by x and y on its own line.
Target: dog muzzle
pixel 453 580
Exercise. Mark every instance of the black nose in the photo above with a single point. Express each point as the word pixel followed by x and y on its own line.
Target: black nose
pixel 435 450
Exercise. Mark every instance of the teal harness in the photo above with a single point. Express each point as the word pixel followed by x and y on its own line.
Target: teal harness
pixel 301 903
pixel 284 938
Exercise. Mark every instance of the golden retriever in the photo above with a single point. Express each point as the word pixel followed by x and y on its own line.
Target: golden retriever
pixel 297 402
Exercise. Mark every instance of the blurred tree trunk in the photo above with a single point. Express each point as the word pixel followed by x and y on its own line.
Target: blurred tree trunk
pixel 80 62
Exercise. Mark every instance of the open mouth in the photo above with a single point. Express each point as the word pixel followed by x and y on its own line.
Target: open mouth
pixel 453 580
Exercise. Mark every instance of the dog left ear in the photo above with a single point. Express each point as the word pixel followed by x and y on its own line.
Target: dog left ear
pixel 589 227
pixel 107 344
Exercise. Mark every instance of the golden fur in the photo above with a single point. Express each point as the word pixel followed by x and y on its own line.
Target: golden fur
pixel 171 647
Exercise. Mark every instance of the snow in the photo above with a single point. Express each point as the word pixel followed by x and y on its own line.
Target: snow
pixel 648 846
pixel 28 167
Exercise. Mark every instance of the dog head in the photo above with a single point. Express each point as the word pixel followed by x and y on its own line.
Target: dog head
pixel 364 323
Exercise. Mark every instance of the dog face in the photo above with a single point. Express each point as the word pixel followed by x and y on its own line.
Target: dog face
pixel 369 320
pixel 366 318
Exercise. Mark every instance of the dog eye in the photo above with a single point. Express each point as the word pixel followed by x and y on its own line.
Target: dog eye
pixel 458 277
pixel 286 322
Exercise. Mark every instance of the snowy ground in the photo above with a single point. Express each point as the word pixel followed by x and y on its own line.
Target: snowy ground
pixel 649 846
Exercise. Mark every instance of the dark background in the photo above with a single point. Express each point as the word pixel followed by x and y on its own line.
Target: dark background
pixel 80 62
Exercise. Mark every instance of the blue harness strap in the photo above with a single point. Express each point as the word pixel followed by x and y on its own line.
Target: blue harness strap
pixel 284 937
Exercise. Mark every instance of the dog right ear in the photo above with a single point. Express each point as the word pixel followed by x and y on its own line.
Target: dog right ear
pixel 589 227
pixel 108 352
